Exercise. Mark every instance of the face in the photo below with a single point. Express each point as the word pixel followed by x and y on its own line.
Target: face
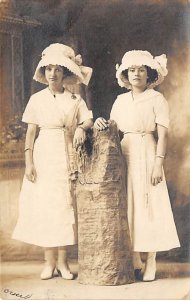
pixel 54 74
pixel 137 76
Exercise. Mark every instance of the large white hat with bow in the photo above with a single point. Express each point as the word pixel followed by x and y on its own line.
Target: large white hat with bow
pixel 62 55
pixel 142 58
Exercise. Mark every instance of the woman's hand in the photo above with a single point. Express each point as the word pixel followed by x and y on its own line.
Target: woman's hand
pixel 157 174
pixel 30 172
pixel 79 137
pixel 101 124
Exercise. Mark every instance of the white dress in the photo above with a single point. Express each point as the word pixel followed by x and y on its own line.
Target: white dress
pixel 150 217
pixel 46 215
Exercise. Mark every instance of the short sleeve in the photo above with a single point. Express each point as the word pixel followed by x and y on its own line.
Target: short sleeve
pixel 161 110
pixel 83 112
pixel 114 114
pixel 30 114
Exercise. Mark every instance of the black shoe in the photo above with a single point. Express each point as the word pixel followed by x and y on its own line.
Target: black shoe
pixel 138 274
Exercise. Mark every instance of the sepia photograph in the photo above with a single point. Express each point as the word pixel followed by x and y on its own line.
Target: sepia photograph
pixel 94 149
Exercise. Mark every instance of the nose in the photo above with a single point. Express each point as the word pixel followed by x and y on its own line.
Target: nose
pixel 52 72
pixel 136 72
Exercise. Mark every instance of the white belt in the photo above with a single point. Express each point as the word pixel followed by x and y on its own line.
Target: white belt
pixel 145 171
pixel 142 133
pixel 52 127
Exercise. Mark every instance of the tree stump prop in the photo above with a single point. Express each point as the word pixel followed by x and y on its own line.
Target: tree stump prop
pixel 104 250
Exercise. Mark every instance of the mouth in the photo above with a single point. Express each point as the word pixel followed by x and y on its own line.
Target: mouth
pixel 52 78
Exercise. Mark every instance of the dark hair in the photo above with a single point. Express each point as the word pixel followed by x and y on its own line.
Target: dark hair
pixel 66 71
pixel 151 73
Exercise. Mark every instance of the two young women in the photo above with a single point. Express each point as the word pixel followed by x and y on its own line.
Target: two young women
pixel 46 210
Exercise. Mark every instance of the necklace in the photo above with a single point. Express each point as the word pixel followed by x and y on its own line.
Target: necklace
pixel 54 94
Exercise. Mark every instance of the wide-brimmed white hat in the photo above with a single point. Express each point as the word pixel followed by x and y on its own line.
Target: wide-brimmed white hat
pixel 142 58
pixel 62 55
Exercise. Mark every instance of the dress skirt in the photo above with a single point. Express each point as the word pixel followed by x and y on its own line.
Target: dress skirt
pixel 150 215
pixel 46 215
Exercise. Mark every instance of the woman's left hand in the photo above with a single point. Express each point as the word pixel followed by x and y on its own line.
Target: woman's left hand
pixel 79 137
pixel 157 174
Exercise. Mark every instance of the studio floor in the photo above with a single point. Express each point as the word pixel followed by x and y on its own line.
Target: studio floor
pixel 20 280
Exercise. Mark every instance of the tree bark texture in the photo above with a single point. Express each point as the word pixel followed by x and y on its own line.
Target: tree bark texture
pixel 105 256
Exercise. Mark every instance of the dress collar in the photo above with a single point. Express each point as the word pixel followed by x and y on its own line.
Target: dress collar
pixel 149 93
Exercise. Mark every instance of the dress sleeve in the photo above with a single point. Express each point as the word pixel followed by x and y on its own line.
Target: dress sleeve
pixel 30 114
pixel 83 112
pixel 114 114
pixel 161 110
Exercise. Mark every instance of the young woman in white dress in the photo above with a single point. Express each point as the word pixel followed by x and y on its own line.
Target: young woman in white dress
pixel 138 114
pixel 46 213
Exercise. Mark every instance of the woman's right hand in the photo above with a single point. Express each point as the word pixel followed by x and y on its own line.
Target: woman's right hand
pixel 101 124
pixel 30 172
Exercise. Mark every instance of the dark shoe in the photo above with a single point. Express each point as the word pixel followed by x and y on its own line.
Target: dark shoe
pixel 138 274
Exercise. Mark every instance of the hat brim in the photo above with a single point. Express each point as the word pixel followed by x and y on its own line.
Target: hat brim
pixel 123 82
pixel 62 61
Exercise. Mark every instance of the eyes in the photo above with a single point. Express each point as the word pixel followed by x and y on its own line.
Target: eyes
pixel 141 70
pixel 56 69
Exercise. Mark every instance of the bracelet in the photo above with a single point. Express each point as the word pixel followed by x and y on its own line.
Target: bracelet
pixel 80 126
pixel 28 149
pixel 161 156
